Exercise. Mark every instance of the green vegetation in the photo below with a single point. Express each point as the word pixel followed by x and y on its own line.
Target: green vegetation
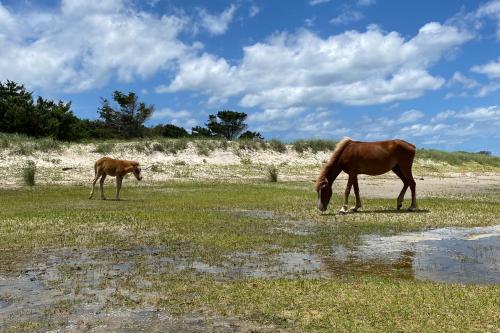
pixel 458 158
pixel 29 171
pixel 314 145
pixel 272 174
pixel 216 223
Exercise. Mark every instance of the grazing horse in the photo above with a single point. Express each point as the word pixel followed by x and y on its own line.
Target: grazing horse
pixel 107 166
pixel 371 158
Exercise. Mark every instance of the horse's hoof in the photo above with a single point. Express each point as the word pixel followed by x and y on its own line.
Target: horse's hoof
pixel 399 207
pixel 412 209
pixel 355 209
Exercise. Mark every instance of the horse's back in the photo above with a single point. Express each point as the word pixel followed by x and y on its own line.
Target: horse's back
pixel 378 157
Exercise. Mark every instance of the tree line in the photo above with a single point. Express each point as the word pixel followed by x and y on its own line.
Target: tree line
pixel 122 118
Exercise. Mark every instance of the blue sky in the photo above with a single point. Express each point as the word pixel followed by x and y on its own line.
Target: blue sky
pixel 424 71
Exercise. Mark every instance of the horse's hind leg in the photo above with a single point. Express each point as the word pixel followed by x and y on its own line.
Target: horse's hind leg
pixel 397 171
pixel 356 192
pixel 118 186
pixel 345 208
pixel 409 177
pixel 101 185
pixel 97 175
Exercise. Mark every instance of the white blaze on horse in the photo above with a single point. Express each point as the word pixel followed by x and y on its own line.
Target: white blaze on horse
pixel 370 158
pixel 107 166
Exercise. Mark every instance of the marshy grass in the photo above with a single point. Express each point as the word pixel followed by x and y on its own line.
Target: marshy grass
pixel 28 173
pixel 208 223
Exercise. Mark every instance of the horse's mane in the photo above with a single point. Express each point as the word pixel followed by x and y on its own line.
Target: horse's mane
pixel 339 148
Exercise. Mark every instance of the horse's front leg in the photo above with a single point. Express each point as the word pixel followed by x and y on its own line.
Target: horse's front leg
pixel 356 192
pixel 345 207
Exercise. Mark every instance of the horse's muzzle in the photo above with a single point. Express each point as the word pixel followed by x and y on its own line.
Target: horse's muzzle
pixel 321 207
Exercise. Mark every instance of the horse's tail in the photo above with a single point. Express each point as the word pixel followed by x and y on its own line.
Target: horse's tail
pixel 95 169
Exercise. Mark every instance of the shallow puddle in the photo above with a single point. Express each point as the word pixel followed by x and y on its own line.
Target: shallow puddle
pixel 454 255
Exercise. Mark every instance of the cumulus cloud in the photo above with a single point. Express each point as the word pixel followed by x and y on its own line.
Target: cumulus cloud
pixel 86 44
pixel 303 69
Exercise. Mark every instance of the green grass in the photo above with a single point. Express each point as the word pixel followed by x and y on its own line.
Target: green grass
pixel 202 222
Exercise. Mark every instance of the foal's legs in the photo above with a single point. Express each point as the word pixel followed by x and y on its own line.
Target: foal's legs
pixel 101 183
pixel 356 192
pixel 97 175
pixel 409 177
pixel 345 207
pixel 397 171
pixel 118 186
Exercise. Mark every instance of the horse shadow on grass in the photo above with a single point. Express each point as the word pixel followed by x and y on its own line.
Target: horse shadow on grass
pixel 380 211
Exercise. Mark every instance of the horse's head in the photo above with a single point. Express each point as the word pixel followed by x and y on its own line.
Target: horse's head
pixel 136 170
pixel 324 190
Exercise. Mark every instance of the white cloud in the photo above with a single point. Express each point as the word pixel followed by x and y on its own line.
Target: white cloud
pixel 366 2
pixel 181 118
pixel 317 2
pixel 347 16
pixel 491 10
pixel 88 43
pixel 217 24
pixel 491 69
pixel 410 116
pixel 303 69
pixel 490 114
pixel 463 80
pixel 253 11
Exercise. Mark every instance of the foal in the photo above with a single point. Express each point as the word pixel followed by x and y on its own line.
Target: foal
pixel 371 158
pixel 107 166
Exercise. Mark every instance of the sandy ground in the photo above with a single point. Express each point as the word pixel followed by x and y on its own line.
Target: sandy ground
pixel 233 164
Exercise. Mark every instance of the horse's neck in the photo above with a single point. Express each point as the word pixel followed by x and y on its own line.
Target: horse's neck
pixel 332 172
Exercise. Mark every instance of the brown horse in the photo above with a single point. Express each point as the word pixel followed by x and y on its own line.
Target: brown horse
pixel 371 158
pixel 107 166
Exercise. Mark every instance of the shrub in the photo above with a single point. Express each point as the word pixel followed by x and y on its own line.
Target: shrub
pixel 272 174
pixel 29 171
pixel 314 145
pixel 22 149
pixel 47 144
pixel 277 145
pixel 157 167
pixel 104 148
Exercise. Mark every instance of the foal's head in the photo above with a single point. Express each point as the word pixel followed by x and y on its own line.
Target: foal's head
pixel 324 190
pixel 136 170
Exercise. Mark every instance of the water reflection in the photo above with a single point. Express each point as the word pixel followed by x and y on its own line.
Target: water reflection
pixel 454 255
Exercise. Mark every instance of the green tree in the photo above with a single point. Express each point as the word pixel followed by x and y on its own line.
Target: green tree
pixel 17 111
pixel 169 131
pixel 228 124
pixel 199 131
pixel 249 135
pixel 58 121
pixel 128 120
